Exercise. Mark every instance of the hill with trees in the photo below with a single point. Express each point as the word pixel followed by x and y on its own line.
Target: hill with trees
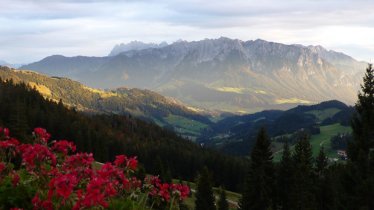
pixel 23 108
pixel 143 104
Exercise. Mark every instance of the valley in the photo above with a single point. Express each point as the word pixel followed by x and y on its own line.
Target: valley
pixel 232 134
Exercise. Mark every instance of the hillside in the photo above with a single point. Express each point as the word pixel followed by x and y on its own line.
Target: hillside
pixel 236 134
pixel 223 74
pixel 143 104
pixel 161 151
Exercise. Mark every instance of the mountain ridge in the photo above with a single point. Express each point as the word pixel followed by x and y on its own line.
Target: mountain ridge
pixel 223 74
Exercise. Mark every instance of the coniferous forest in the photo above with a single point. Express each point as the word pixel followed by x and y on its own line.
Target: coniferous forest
pixel 298 181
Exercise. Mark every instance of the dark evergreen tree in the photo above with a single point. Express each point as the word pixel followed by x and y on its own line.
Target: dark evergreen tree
pixel 303 196
pixel 285 179
pixel 359 182
pixel 204 194
pixel 259 185
pixel 321 162
pixel 222 202
pixel 324 192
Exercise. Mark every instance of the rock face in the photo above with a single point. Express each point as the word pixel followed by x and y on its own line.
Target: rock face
pixel 223 74
pixel 134 45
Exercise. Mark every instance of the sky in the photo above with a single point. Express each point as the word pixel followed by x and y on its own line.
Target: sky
pixel 33 29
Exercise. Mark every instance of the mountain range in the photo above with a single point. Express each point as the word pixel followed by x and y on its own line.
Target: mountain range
pixel 221 74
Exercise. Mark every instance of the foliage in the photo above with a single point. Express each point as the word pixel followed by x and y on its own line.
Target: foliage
pixel 52 176
pixel 361 150
pixel 222 202
pixel 259 186
pixel 204 193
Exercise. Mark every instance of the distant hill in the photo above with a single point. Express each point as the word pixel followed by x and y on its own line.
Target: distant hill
pixel 143 104
pixel 236 134
pixel 223 74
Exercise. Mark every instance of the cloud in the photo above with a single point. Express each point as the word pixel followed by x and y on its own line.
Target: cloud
pixel 33 29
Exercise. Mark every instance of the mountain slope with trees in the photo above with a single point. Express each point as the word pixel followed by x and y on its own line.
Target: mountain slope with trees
pixel 143 104
pixel 23 108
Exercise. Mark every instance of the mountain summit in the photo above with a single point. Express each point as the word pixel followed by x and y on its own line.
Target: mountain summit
pixel 223 74
pixel 134 45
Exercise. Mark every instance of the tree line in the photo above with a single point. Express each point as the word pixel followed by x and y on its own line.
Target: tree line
pixel 160 151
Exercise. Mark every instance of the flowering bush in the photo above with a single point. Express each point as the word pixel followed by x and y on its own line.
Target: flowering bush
pixel 51 175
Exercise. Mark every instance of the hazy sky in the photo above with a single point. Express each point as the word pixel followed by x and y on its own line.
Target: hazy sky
pixel 33 29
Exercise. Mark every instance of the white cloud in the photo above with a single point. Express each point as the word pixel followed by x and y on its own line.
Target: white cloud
pixel 33 29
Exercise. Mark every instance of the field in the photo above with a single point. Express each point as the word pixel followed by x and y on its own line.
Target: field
pixel 322 139
pixel 185 126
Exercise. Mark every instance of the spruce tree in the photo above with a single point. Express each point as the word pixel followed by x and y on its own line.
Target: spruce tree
pixel 324 192
pixel 204 194
pixel 259 184
pixel 222 202
pixel 303 161
pixel 285 179
pixel 321 162
pixel 359 182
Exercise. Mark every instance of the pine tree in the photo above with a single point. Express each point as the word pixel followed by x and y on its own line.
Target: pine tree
pixel 204 194
pixel 259 184
pixel 360 175
pixel 303 161
pixel 222 202
pixel 324 192
pixel 321 162
pixel 285 179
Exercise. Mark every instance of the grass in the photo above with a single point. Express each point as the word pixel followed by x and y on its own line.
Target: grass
pixel 319 140
pixel 189 125
pixel 324 114
pixel 323 139
pixel 231 196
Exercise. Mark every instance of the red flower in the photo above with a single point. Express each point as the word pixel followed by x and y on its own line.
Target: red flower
pixel 63 185
pixel 11 143
pixel 79 164
pixel 42 135
pixel 64 147
pixel 95 195
pixel 182 191
pixel 2 167
pixel 5 131
pixel 39 204
pixel 120 160
pixel 36 154
pixel 132 163
pixel 15 178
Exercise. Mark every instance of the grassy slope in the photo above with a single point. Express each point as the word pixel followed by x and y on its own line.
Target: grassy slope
pixel 185 126
pixel 322 139
pixel 323 114
pixel 232 197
